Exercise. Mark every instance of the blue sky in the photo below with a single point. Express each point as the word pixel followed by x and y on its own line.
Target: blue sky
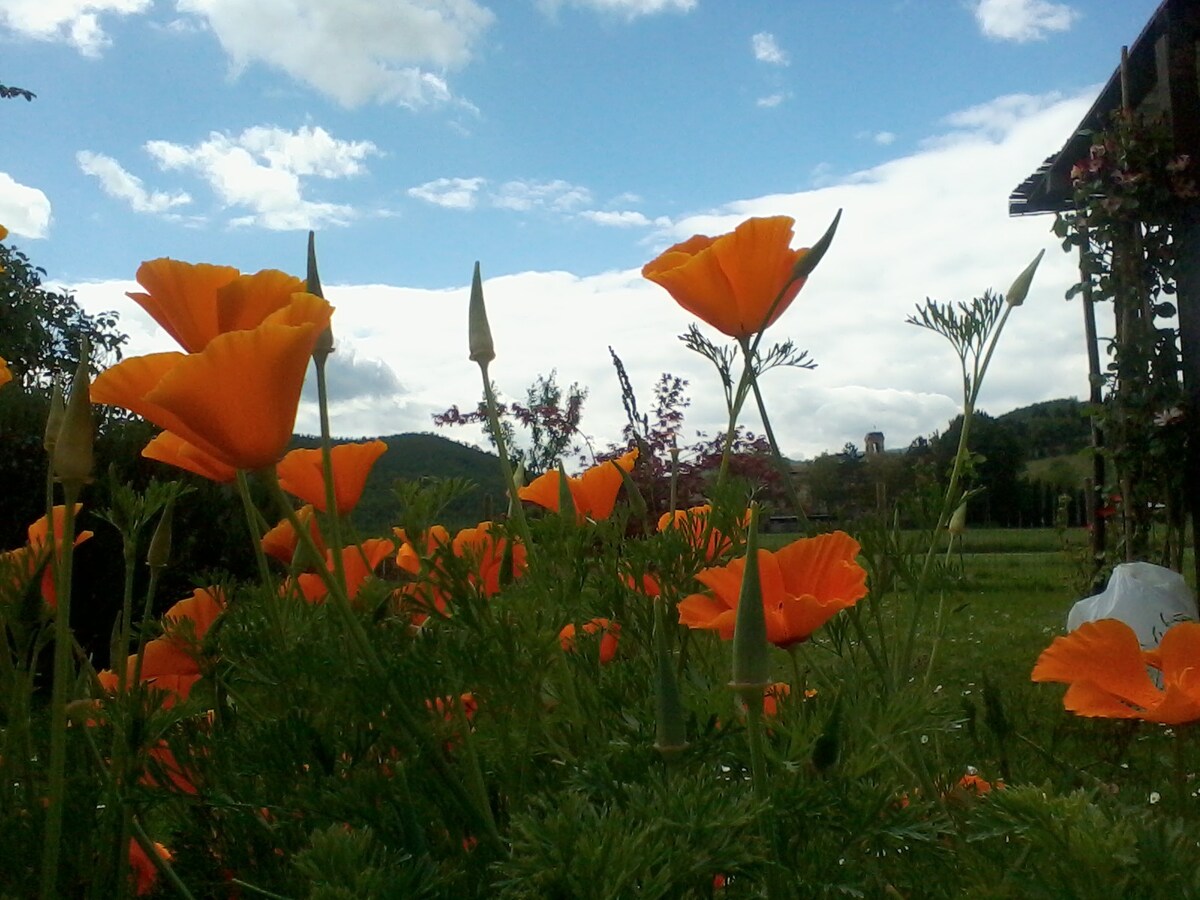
pixel 564 143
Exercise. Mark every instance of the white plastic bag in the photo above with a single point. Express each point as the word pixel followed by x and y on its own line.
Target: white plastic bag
pixel 1147 598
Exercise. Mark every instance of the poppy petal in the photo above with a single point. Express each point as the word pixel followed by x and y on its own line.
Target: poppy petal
pixel 182 298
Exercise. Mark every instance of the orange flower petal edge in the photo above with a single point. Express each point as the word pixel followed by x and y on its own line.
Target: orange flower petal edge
pixel 594 491
pixel 731 281
pixel 301 473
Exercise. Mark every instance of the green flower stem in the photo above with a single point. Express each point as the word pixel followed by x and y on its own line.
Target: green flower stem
pixel 971 386
pixel 399 709
pixel 332 518
pixel 518 511
pixel 58 701
pixel 163 867
pixel 780 462
pixel 762 790
pixel 264 571
pixel 735 409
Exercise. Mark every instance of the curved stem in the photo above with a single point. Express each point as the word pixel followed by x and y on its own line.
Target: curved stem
pixel 332 517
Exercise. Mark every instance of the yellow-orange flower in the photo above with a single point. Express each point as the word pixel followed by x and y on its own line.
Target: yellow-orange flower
pixel 696 524
pixel 201 609
pixel 1105 666
pixel 196 302
pixel 608 630
pixel 5 372
pixel 301 473
pixel 142 870
pixel 804 585
pixel 731 281
pixel 594 492
pixel 25 563
pixel 359 562
pixel 236 399
pixel 281 541
pixel 173 450
pixel 482 556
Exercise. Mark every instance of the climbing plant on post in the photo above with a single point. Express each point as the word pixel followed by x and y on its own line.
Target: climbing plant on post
pixel 1127 193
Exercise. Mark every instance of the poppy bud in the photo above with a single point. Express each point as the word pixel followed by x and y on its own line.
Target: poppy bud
pixel 160 544
pixel 751 664
pixel 806 263
pixel 958 521
pixel 324 345
pixel 73 458
pixel 1020 287
pixel 566 502
pixel 479 333
pixel 670 731
pixel 54 420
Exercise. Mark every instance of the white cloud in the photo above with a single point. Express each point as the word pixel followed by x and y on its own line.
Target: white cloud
pixel 74 22
pixel 617 219
pixel 629 9
pixel 767 50
pixel 261 170
pixel 24 210
pixel 558 195
pixel 122 185
pixel 1022 20
pixel 452 193
pixel 933 222
pixel 355 53
pixel 770 101
pixel 884 138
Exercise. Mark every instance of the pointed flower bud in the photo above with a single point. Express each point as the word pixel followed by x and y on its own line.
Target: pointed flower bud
pixel 958 521
pixel 1020 287
pixel 324 345
pixel 751 664
pixel 54 420
pixel 479 333
pixel 160 544
pixel 566 501
pixel 806 263
pixel 73 458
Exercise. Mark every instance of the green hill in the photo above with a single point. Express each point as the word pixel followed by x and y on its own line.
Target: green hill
pixel 415 456
pixel 1050 429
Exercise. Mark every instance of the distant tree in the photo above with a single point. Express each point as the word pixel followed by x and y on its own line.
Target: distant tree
pixel 998 459
pixel 40 329
pixel 549 420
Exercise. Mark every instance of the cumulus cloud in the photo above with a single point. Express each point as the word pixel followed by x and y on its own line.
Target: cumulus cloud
pixel 452 193
pixel 618 218
pixel 74 22
pixel 24 210
pixel 629 9
pixel 122 185
pixel 767 50
pixel 522 195
pixel 1022 20
pixel 261 170
pixel 354 53
pixel 770 101
pixel 350 377
pixel 933 222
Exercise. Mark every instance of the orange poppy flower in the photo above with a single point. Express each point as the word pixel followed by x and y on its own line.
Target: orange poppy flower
pixel 359 563
pixel 803 586
pixel 196 302
pixel 5 372
pixel 175 451
pixel 142 870
pixel 481 552
pixel 731 281
pixel 1105 667
pixel 281 541
pixel 235 400
pixel 774 695
pixel 163 763
pixel 201 609
pixel 695 524
pixel 24 564
pixel 608 630
pixel 301 473
pixel 594 492
pixel 649 586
